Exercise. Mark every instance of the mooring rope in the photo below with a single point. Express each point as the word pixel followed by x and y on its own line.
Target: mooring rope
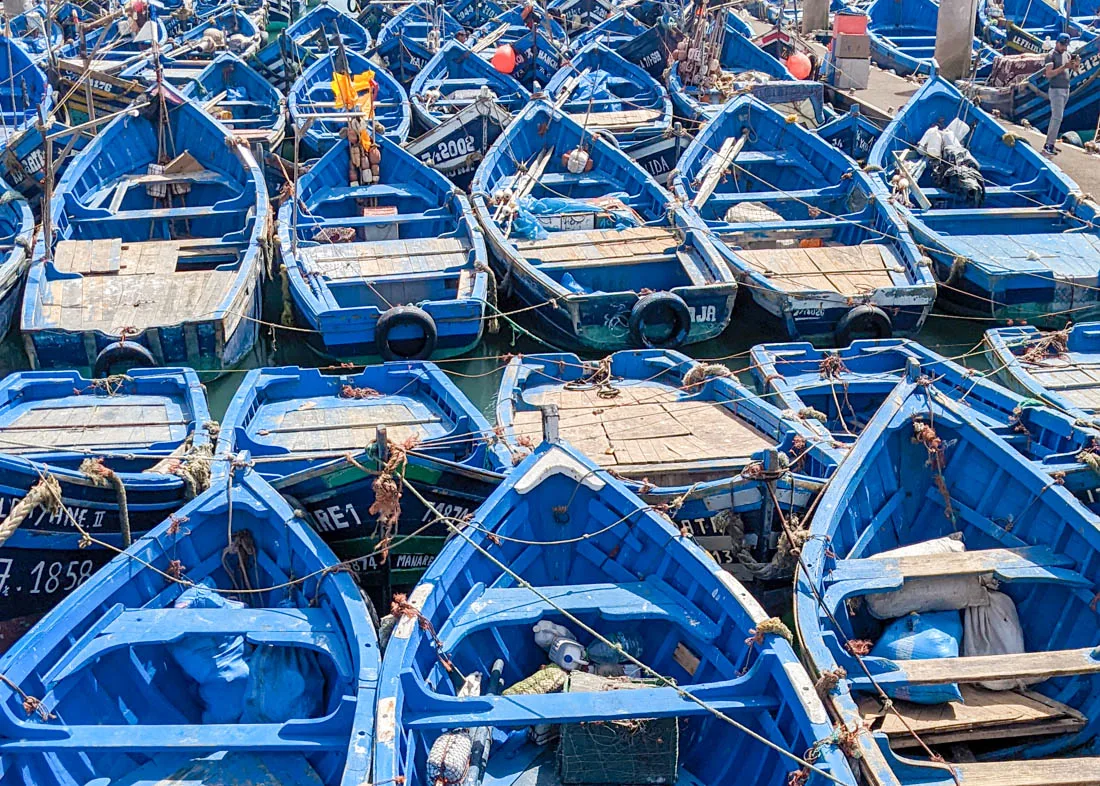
pixel 45 493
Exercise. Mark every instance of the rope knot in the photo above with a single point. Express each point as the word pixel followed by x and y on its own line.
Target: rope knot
pixel 828 680
pixel 771 626
pixel 859 647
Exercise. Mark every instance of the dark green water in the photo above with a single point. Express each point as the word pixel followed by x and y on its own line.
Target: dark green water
pixel 478 374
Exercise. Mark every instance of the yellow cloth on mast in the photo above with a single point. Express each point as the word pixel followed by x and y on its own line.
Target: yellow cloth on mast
pixel 355 93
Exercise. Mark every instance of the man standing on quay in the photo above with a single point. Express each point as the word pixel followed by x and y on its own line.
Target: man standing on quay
pixel 1058 62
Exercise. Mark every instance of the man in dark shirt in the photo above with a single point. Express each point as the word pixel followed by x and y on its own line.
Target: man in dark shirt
pixel 1058 63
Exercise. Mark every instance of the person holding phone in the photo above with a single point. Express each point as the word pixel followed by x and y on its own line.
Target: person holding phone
pixel 1057 66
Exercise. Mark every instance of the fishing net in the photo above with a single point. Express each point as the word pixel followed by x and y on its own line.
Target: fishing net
pixel 625 752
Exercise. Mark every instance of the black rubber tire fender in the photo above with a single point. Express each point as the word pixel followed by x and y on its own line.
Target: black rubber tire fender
pixel 652 304
pixel 405 315
pixel 878 320
pixel 122 352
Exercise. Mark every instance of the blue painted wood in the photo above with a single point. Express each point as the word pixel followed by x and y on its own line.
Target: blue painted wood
pixel 402 57
pixel 424 23
pixel 186 58
pixel 538 41
pixel 1019 26
pixel 699 490
pixel 579 16
pixel 25 90
pixel 815 192
pixel 903 38
pixel 137 423
pixel 121 709
pixel 231 211
pixel 254 103
pixel 312 94
pixel 1023 252
pixel 454 466
pixel 982 491
pixel 850 384
pixel 739 56
pixel 451 81
pixel 615 30
pixel 1027 100
pixel 1062 373
pixel 594 301
pixel 428 253
pixel 474 13
pixel 852 134
pixel 560 526
pixel 612 84
pixel 299 45
pixel 35 36
pixel 16 236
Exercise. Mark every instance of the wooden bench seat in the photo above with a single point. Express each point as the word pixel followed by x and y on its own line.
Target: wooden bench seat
pixel 985 668
pixel 626 118
pixel 1080 771
pixel 386 258
pixel 847 270
pixel 1029 563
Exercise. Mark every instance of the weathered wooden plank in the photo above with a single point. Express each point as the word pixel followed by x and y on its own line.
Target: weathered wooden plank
pixel 1079 771
pixel 983 668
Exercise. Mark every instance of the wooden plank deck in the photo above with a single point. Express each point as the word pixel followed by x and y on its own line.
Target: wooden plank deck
pixel 322 429
pixel 133 284
pixel 984 668
pixel 603 245
pixel 625 118
pixel 645 429
pixel 387 257
pixel 1077 382
pixel 982 715
pixel 124 423
pixel 847 270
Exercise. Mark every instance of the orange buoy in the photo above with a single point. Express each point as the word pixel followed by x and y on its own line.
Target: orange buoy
pixel 799 65
pixel 504 59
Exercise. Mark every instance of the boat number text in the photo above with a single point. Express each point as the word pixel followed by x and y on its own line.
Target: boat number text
pixel 49 577
pixel 453 148
pixel 336 517
pixel 703 313
pixel 447 509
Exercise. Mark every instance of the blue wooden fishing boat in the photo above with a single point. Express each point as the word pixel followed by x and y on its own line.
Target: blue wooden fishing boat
pixel 225 646
pixel 311 98
pixel 425 23
pixel 1026 100
pixel 811 236
pixel 562 550
pixel 242 100
pixel 1009 234
pixel 608 94
pixel 615 30
pixel 311 36
pixel 929 478
pixel 229 31
pixel 25 91
pixel 474 13
pixel 836 393
pixel 402 57
pixel 37 36
pixel 16 239
pixel 742 66
pixel 23 158
pixel 572 221
pixel 1058 368
pixel 1016 25
pixel 686 437
pixel 393 267
pixel 537 41
pixel 903 38
pixel 1083 12
pixel 852 133
pixel 579 16
pixel 325 441
pixel 453 80
pixel 58 433
pixel 155 255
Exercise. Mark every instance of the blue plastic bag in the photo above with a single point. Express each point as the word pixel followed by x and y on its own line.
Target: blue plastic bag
pixel 919 637
pixel 216 663
pixel 283 683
